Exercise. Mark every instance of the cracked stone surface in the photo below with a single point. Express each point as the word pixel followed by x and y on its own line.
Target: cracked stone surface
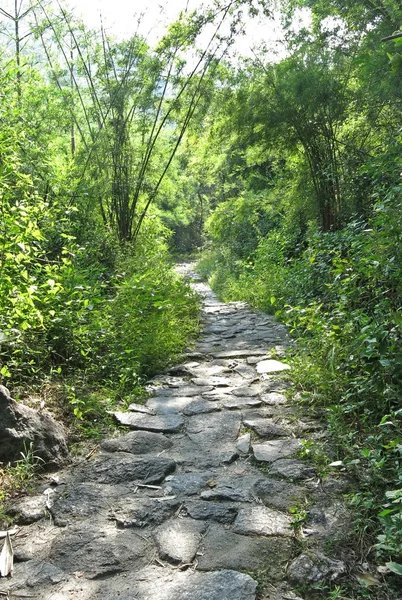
pixel 181 506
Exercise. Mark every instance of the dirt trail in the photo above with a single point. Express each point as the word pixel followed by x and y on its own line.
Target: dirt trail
pixel 197 494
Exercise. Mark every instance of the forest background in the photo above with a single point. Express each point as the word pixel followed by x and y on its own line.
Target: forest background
pixel 116 156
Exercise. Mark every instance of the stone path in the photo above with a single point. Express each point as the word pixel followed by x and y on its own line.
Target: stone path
pixel 193 503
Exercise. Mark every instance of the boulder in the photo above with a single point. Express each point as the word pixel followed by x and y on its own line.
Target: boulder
pixel 21 425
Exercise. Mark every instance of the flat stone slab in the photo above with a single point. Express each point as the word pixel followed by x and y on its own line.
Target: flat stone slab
pixel 122 468
pixel 265 428
pixel 246 353
pixel 133 512
pixel 185 391
pixel 165 405
pixel 243 444
pixel 260 520
pixel 279 494
pixel 273 399
pixel 212 381
pixel 292 469
pixel 168 423
pixel 155 583
pixel 227 493
pixel 187 484
pixel 200 408
pixel 245 391
pixel 178 539
pixel 271 366
pixel 96 553
pixel 138 442
pixel 211 511
pixel 239 403
pixel 223 549
pixel 273 450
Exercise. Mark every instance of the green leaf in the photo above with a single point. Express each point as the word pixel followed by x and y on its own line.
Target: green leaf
pixel 5 371
pixel 394 567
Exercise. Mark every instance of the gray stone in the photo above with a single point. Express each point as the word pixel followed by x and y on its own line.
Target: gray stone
pixel 200 407
pixel 279 494
pixel 122 468
pixel 265 428
pixel 212 381
pixel 223 549
pixel 273 398
pixel 168 423
pixel 273 450
pixel 82 500
pixel 140 409
pixel 292 469
pixel 165 405
pixel 186 391
pixel 178 539
pixel 251 352
pixel 227 493
pixel 144 512
pixel 246 371
pixel 138 442
pixel 21 425
pixel 271 366
pixel 245 391
pixel 243 444
pixel 31 574
pixel 240 403
pixel 187 484
pixel 314 566
pixel 260 520
pixel 28 510
pixel 211 511
pixel 99 553
pixel 155 583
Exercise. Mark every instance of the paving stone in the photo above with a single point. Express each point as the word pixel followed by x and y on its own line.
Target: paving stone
pixel 312 567
pixel 28 510
pixel 122 468
pixel 212 381
pixel 273 399
pixel 96 553
pixel 133 512
pixel 138 442
pixel 168 423
pixel 245 392
pixel 200 407
pixel 271 366
pixel 265 428
pixel 273 450
pixel 185 391
pixel 240 403
pixel 140 409
pixel 161 584
pixel 292 469
pixel 223 549
pixel 246 371
pixel 279 494
pixel 225 493
pixel 165 405
pixel 260 520
pixel 178 539
pixel 187 484
pixel 251 352
pixel 82 500
pixel 211 511
pixel 243 444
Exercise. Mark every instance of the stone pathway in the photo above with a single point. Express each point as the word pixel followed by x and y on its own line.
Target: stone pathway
pixel 193 503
